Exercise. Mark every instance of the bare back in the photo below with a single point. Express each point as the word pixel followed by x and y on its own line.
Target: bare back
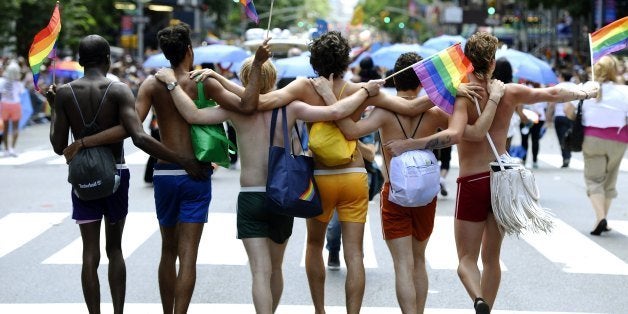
pixel 174 130
pixel 390 128
pixel 89 92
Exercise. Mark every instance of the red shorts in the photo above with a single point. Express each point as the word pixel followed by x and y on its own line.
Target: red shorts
pixel 473 202
pixel 399 221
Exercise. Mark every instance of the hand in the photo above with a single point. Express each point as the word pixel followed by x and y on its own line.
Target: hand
pixel 165 75
pixel 373 86
pixel 469 90
pixel 395 147
pixel 496 90
pixel 323 86
pixel 591 89
pixel 263 53
pixel 202 74
pixel 71 151
pixel 194 168
pixel 51 94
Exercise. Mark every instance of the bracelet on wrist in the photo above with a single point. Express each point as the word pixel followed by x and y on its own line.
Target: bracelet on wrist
pixel 491 99
pixel 367 91
pixel 82 143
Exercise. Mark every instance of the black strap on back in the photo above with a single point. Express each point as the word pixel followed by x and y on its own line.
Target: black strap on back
pixel 415 129
pixel 97 111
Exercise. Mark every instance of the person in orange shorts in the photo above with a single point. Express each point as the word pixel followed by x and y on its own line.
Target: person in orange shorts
pixel 408 229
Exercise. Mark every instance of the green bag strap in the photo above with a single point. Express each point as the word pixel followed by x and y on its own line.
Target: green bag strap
pixel 201 101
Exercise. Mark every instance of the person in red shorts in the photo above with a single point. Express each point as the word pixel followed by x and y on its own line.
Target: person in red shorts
pixel 408 229
pixel 475 228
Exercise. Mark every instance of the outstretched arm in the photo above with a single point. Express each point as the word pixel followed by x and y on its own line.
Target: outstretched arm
pixel 186 106
pixel 561 94
pixel 420 104
pixel 202 74
pixel 450 136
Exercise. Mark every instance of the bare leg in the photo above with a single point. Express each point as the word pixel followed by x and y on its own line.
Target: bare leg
pixel 468 240
pixel 265 259
pixel 401 251
pixel 16 131
pixel 491 249
pixel 6 135
pixel 421 281
pixel 90 233
pixel 314 265
pixel 259 260
pixel 117 267
pixel 189 238
pixel 277 251
pixel 167 268
pixel 352 239
pixel 599 206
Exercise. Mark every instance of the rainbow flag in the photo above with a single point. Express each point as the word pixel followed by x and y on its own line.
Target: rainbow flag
pixel 441 74
pixel 43 44
pixel 608 39
pixel 249 8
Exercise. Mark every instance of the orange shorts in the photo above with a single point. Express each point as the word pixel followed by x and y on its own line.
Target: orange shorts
pixel 347 192
pixel 11 111
pixel 399 221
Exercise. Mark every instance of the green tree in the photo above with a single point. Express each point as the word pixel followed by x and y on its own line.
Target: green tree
pixel 22 19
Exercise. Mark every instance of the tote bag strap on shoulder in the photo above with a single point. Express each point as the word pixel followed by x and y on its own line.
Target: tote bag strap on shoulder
pixel 284 121
pixel 202 102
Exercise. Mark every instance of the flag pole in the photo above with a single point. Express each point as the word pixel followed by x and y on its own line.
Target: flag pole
pixel 591 52
pixel 270 17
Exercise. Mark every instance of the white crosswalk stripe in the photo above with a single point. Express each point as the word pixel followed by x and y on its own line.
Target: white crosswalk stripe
pixel 566 247
pixel 135 156
pixel 17 229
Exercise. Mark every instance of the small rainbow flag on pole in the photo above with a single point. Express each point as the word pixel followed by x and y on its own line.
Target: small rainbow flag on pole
pixel 608 39
pixel 440 75
pixel 249 8
pixel 43 44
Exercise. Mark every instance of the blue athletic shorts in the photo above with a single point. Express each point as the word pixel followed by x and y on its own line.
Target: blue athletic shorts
pixel 115 206
pixel 178 198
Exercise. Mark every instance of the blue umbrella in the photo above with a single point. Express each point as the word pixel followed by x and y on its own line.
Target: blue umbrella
pixel 387 56
pixel 528 67
pixel 444 41
pixel 294 67
pixel 219 53
pixel 156 61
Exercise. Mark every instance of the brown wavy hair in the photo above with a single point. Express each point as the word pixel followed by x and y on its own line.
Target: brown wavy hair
pixel 480 49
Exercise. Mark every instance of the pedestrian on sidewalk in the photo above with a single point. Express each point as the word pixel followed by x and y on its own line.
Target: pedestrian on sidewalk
pixel 11 89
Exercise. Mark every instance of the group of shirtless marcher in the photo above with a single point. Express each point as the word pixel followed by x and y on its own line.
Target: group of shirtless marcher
pixel 182 186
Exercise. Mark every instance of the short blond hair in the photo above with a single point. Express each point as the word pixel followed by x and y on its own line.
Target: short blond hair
pixel 269 75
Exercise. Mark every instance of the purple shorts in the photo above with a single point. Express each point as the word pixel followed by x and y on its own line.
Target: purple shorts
pixel 115 206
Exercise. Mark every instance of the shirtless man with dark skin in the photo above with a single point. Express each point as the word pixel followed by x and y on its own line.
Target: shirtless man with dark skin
pixel 118 106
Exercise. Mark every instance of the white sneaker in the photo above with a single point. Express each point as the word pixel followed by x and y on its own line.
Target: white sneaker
pixel 12 153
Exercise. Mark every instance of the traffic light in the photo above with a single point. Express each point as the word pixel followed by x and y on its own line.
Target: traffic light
pixel 491 7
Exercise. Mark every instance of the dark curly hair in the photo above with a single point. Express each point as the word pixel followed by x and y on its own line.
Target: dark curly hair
pixel 174 42
pixel 406 80
pixel 330 54
pixel 480 49
pixel 503 71
pixel 93 51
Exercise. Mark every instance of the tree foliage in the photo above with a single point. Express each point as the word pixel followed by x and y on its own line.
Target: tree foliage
pixel 20 20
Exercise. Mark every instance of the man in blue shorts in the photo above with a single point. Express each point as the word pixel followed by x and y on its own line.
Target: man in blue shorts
pixel 81 99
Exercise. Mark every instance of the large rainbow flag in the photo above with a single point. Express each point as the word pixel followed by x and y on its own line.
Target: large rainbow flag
pixel 608 39
pixel 43 44
pixel 249 8
pixel 441 74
